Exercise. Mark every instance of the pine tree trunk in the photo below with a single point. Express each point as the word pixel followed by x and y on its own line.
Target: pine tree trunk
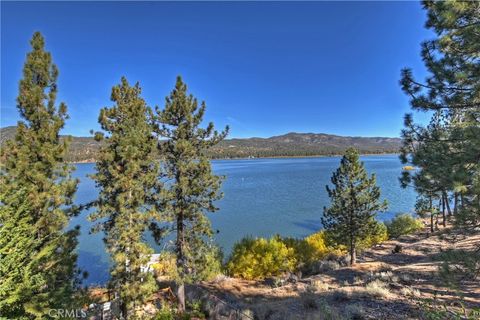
pixel 181 297
pixel 447 203
pixel 444 217
pixel 455 203
pixel 123 308
pixel 353 253
pixel 180 262
pixel 431 215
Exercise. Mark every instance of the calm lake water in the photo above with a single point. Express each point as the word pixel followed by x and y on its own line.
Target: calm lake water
pixel 262 197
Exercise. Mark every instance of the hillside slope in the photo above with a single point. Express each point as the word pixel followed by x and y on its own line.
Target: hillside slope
pixel 383 285
pixel 288 145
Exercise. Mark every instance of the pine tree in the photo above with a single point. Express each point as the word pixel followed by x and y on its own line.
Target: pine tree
pixel 193 188
pixel 350 219
pixel 37 256
pixel 126 175
pixel 452 92
pixel 438 168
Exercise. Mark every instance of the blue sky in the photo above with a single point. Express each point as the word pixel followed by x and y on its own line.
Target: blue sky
pixel 263 68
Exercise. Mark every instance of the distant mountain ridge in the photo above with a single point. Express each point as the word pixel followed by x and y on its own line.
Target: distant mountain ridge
pixel 288 145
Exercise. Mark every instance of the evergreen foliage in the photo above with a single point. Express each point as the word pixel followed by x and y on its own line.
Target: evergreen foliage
pixel 350 219
pixel 37 256
pixel 192 187
pixel 127 177
pixel 447 151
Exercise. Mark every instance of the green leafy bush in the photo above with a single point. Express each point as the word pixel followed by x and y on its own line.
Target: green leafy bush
pixel 165 313
pixel 259 258
pixel 378 235
pixel 207 261
pixel 169 312
pixel 403 224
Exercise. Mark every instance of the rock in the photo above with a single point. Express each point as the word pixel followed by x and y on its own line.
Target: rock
pixel 398 248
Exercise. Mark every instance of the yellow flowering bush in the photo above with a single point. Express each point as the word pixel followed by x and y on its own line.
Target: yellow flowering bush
pixel 259 258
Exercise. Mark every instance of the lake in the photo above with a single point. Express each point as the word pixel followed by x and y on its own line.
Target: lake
pixel 262 197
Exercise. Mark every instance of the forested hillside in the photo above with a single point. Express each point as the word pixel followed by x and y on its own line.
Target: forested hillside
pixel 291 145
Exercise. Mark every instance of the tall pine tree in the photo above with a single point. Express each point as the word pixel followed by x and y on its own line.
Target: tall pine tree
pixel 37 256
pixel 438 168
pixel 452 91
pixel 192 187
pixel 355 201
pixel 126 175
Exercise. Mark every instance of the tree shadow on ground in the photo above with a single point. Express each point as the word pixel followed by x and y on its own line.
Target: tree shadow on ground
pixel 318 305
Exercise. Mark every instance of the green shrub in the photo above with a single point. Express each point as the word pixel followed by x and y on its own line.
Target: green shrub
pixel 194 311
pixel 322 266
pixel 379 234
pixel 259 258
pixel 207 261
pixel 169 312
pixel 165 313
pixel 403 224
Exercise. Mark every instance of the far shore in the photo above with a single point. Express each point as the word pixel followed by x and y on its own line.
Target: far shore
pixel 270 157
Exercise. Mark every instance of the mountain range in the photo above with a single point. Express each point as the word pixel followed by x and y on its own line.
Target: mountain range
pixel 85 149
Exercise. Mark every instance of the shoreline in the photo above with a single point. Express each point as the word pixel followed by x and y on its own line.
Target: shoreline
pixel 271 157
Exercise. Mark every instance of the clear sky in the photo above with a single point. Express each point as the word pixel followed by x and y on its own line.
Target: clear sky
pixel 263 68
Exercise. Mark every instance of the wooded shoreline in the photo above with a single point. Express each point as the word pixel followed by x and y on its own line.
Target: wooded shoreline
pixel 274 157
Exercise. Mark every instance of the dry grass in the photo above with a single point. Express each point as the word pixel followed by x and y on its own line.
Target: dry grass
pixel 378 289
pixel 320 286
pixel 410 292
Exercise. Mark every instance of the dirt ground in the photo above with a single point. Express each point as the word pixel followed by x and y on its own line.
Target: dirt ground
pixel 382 285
